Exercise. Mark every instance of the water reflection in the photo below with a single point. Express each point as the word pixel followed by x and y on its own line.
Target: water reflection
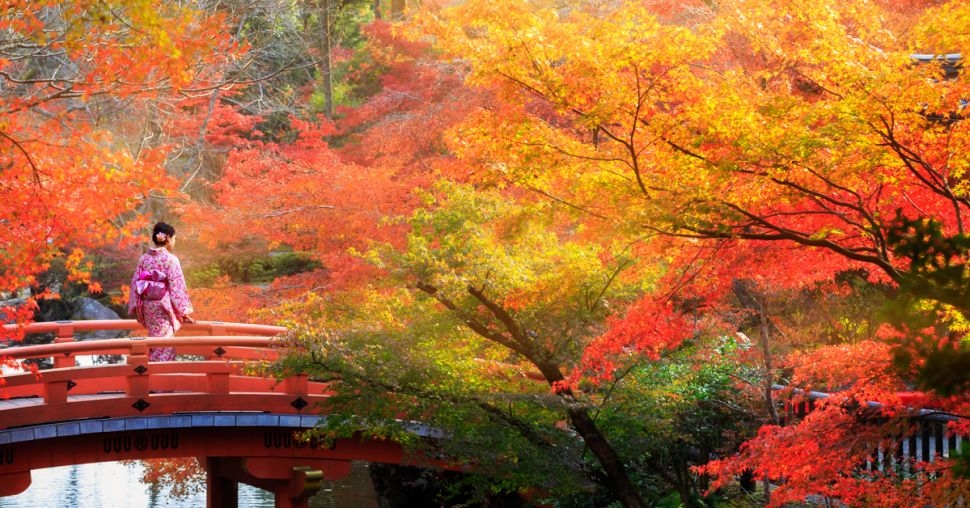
pixel 112 484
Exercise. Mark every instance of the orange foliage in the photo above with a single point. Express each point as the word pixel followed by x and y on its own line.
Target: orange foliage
pixel 401 127
pixel 225 301
pixel 184 475
pixel 821 456
pixel 71 181
pixel 334 202
pixel 649 328
pixel 862 368
pixel 302 196
pixel 775 145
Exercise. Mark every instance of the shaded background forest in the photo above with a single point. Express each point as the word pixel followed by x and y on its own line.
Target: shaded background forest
pixel 598 242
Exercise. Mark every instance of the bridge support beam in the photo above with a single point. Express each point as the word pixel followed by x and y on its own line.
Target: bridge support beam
pixel 292 481
pixel 221 492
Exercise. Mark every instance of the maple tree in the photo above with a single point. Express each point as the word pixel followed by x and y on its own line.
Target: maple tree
pixel 806 132
pixel 597 197
pixel 77 165
pixel 484 291
pixel 721 150
pixel 323 188
pixel 554 237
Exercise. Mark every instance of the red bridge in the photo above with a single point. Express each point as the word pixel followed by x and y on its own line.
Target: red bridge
pixel 218 406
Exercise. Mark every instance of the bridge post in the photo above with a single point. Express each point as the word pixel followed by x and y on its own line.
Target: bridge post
pixel 217 382
pixel 298 384
pixel 65 333
pixel 304 483
pixel 138 361
pixel 215 328
pixel 55 392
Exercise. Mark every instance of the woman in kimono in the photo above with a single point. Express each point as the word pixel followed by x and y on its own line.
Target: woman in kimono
pixel 159 300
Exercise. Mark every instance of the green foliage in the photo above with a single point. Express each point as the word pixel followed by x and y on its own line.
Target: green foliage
pixel 346 20
pixel 961 466
pixel 559 289
pixel 396 355
pixel 355 80
pixel 406 353
pixel 252 270
pixel 930 349
pixel 351 15
pixel 933 296
pixel 938 261
pixel 669 415
pixel 202 277
pixel 277 127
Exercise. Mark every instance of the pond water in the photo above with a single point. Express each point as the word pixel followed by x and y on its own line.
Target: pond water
pixel 113 484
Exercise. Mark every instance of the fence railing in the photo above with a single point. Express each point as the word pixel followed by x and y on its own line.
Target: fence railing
pixel 927 439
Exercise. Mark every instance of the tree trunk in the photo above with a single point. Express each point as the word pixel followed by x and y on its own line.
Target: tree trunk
pixel 619 482
pixel 398 8
pixel 753 299
pixel 325 65
pixel 765 338
pixel 516 339
pixel 687 489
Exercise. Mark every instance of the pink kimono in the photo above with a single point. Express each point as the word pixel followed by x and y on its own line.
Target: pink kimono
pixel 159 299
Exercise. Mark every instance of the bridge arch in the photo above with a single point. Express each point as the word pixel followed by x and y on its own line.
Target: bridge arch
pixel 259 449
pixel 215 406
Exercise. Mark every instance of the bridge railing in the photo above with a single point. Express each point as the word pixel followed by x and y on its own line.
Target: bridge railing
pixel 218 371
pixel 65 332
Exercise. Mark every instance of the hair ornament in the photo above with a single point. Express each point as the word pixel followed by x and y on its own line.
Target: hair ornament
pixel 161 237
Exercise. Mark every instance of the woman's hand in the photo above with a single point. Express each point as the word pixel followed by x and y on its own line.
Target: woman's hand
pixel 189 320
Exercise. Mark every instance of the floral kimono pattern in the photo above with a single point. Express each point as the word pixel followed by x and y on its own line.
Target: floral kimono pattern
pixel 163 316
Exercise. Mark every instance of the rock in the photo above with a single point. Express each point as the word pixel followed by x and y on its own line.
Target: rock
pixel 13 299
pixel 88 308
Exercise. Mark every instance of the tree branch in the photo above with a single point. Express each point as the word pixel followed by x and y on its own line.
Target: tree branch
pixel 30 161
pixel 476 327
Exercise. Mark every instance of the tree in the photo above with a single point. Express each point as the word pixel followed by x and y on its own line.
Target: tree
pixel 326 188
pixel 681 129
pixel 751 152
pixel 801 131
pixel 494 288
pixel 465 295
pixel 77 166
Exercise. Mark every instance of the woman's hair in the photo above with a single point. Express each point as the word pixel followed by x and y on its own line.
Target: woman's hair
pixel 162 233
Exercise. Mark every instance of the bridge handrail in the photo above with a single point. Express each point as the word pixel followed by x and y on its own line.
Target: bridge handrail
pixel 119 370
pixel 114 346
pixel 68 328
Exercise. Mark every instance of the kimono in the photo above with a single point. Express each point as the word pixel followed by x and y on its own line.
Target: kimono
pixel 159 299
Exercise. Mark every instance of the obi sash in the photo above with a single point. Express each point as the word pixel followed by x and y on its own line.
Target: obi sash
pixel 150 285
